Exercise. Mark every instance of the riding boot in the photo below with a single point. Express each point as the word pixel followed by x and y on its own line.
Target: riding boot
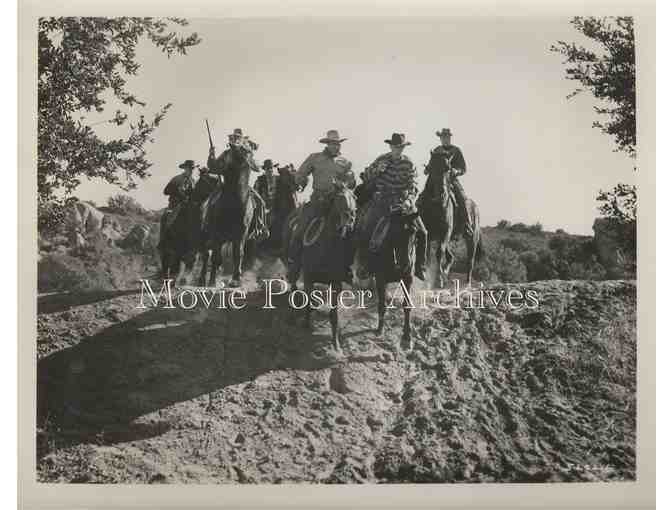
pixel 461 199
pixel 420 248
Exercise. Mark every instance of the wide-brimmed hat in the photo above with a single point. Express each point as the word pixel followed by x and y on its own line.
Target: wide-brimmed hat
pixel 188 164
pixel 444 132
pixel 332 136
pixel 398 140
pixel 268 163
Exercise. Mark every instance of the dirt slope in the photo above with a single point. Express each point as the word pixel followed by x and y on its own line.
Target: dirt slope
pixel 127 395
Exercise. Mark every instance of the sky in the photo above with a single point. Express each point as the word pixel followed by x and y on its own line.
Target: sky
pixel 531 154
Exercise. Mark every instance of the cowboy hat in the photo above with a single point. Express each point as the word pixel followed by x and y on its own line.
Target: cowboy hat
pixel 398 140
pixel 332 136
pixel 444 132
pixel 188 164
pixel 268 163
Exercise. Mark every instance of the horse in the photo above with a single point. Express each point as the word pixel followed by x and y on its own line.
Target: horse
pixel 324 253
pixel 388 238
pixel 229 214
pixel 285 202
pixel 438 210
pixel 179 239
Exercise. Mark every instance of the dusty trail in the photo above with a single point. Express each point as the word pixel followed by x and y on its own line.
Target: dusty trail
pixel 215 396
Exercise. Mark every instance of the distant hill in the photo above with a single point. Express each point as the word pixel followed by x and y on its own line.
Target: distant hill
pixel 513 253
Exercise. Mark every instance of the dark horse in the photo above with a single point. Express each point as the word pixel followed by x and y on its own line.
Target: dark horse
pixel 389 239
pixel 440 214
pixel 182 238
pixel 324 253
pixel 228 214
pixel 179 241
pixel 285 202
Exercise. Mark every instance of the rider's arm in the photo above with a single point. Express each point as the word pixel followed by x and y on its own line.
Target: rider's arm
pixel 458 162
pixel 301 176
pixel 214 164
pixel 171 187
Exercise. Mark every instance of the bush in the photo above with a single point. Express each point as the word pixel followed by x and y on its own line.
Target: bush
pixel 516 244
pixel 501 264
pixel 518 227
pixel 536 229
pixel 126 205
pixel 503 224
pixel 540 265
pixel 591 270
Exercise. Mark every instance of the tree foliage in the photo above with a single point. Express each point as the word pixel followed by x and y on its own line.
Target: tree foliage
pixel 609 74
pixel 82 63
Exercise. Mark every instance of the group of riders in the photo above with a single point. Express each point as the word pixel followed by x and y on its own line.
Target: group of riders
pixel 390 181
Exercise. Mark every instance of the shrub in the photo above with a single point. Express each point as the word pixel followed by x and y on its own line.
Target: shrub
pixel 503 224
pixel 126 205
pixel 501 264
pixel 540 265
pixel 516 244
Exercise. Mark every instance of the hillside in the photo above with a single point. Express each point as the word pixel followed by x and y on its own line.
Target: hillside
pixel 517 253
pixel 216 396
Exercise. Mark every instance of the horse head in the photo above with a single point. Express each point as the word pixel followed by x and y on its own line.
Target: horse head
pixel 286 188
pixel 344 210
pixel 440 173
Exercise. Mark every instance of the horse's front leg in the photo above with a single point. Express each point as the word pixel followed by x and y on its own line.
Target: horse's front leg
pixel 406 340
pixel 216 261
pixel 308 289
pixel 205 259
pixel 189 258
pixel 472 247
pixel 238 254
pixel 381 288
pixel 335 291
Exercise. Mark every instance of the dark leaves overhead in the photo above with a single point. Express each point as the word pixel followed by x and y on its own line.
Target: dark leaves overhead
pixel 82 62
pixel 608 72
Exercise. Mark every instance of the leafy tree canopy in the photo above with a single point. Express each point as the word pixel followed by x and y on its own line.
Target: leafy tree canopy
pixel 608 73
pixel 81 62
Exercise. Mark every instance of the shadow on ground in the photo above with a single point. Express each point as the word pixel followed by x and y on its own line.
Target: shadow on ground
pixel 97 389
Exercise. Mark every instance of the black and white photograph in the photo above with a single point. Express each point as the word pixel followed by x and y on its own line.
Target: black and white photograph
pixel 337 250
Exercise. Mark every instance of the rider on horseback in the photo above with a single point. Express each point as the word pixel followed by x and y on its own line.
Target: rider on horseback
pixel 179 190
pixel 329 170
pixel 453 154
pixel 392 178
pixel 265 185
pixel 216 166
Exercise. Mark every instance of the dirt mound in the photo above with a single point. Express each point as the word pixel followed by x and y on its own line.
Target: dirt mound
pixel 127 395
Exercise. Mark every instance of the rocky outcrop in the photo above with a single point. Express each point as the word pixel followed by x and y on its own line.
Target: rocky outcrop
pixel 138 239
